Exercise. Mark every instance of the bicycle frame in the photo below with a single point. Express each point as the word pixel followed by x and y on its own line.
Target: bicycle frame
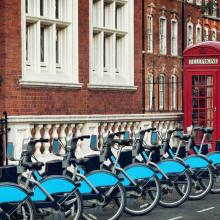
pixel 46 188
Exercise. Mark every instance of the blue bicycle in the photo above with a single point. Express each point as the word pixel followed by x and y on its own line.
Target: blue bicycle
pixel 201 167
pixel 53 194
pixel 102 192
pixel 141 183
pixel 174 175
pixel 15 203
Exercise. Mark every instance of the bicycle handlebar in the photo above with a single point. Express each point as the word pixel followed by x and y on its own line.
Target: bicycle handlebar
pixel 41 140
pixel 112 135
pixel 74 139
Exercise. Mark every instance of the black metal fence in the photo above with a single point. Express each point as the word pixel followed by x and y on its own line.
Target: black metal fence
pixel 164 95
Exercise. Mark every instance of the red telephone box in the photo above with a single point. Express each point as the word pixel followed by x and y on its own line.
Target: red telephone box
pixel 202 86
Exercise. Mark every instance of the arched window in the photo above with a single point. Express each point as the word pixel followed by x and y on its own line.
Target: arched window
pixel 214 8
pixel 206 34
pixel 150 91
pixel 150 33
pixel 198 33
pixel 189 34
pixel 163 35
pixel 206 7
pixel 214 34
pixel 174 91
pixel 174 37
pixel 199 2
pixel 161 91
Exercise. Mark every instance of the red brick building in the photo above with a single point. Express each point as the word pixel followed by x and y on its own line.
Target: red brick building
pixel 32 83
pixel 170 27
pixel 77 67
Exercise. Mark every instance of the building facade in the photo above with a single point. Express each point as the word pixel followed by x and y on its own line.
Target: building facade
pixel 171 27
pixel 76 67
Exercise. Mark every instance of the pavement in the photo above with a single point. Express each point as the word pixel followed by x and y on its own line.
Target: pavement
pixel 205 209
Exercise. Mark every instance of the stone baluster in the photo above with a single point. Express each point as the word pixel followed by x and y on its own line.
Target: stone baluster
pixel 110 127
pixel 101 134
pixel 116 126
pixel 63 137
pixel 47 136
pixel 55 131
pixel 38 136
pixel 135 130
pixel 70 129
pixel 123 126
pixel 78 133
pixel 129 124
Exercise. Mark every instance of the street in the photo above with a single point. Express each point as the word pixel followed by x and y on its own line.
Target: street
pixel 208 208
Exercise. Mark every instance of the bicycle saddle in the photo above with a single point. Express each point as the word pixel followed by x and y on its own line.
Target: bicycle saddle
pixel 33 166
pixel 184 137
pixel 80 161
pixel 152 148
pixel 207 130
pixel 122 142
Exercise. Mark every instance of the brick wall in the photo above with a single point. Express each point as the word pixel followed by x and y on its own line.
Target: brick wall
pixel 156 63
pixel 36 101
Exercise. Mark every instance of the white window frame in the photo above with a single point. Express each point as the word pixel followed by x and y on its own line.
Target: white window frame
pixel 206 34
pixel 174 38
pixel 207 10
pixel 214 9
pixel 214 34
pixel 34 73
pixel 198 36
pixel 189 35
pixel 150 91
pixel 161 91
pixel 115 76
pixel 149 33
pixel 190 1
pixel 198 2
pixel 174 91
pixel 163 36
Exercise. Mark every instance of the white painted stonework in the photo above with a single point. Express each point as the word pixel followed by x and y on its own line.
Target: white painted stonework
pixel 60 126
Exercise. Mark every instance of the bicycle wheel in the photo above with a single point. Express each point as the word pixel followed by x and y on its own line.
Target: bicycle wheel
pixel 73 206
pixel 202 183
pixel 112 206
pixel 216 181
pixel 176 190
pixel 141 203
pixel 23 211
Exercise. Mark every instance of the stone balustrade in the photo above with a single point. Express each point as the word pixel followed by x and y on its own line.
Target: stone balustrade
pixel 60 126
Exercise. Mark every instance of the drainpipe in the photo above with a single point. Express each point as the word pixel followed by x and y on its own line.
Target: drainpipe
pixel 143 58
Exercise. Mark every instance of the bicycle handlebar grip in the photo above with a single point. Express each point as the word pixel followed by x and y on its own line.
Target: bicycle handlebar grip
pixel 41 140
pixel 149 129
pixel 179 129
pixel 111 135
pixel 80 138
pixel 84 137
pixel 197 128
pixel 122 142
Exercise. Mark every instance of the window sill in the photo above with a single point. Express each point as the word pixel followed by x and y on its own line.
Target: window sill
pixel 50 85
pixel 111 87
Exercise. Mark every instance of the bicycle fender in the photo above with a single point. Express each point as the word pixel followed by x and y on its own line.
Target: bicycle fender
pixel 214 157
pixel 12 193
pixel 172 166
pixel 197 161
pixel 53 184
pixel 137 171
pixel 98 178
